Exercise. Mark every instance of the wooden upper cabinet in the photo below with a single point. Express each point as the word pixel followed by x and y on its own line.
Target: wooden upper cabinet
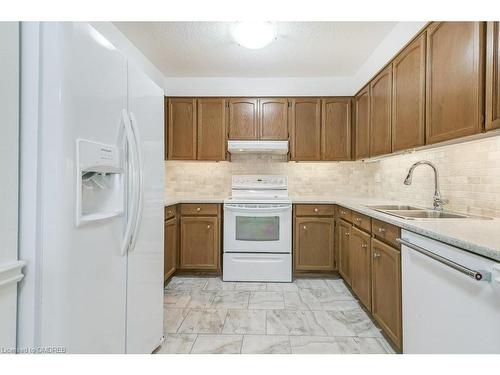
pixel 454 80
pixel 408 96
pixel 336 129
pixel 492 76
pixel 273 119
pixel 305 127
pixel 211 129
pixel 243 119
pixel 386 289
pixel 314 243
pixel 380 113
pixel 181 129
pixel 362 128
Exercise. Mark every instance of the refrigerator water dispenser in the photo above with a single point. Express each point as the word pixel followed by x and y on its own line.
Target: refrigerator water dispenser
pixel 100 182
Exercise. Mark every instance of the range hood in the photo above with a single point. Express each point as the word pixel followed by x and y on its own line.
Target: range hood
pixel 258 147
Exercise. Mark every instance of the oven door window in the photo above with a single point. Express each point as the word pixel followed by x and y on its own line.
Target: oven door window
pixel 259 228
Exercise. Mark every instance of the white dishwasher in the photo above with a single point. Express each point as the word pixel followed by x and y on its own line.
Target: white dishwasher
pixel 451 298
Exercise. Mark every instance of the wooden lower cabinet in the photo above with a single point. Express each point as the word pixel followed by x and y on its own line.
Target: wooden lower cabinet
pixel 343 244
pixel 360 262
pixel 170 248
pixel 200 243
pixel 314 244
pixel 386 289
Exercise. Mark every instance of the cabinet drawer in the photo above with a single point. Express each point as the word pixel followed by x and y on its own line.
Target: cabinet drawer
pixel 190 209
pixel 362 221
pixel 386 232
pixel 170 211
pixel 314 210
pixel 344 213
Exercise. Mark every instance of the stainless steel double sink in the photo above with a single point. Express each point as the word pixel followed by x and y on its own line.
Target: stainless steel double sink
pixel 411 213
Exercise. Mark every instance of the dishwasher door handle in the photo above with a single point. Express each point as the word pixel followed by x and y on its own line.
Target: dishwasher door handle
pixel 479 275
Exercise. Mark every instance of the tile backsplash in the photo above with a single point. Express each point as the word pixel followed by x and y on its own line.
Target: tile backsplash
pixel 469 177
pixel 469 172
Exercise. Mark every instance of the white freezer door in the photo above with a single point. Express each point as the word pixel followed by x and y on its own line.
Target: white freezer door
pixel 74 295
pixel 145 256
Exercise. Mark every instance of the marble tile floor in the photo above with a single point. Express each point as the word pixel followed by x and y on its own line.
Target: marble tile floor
pixel 309 316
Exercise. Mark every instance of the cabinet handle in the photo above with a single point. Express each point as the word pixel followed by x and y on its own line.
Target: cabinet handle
pixel 376 255
pixel 358 219
pixel 364 246
pixel 342 212
pixel 381 230
pixel 347 233
pixel 304 227
pixel 315 210
pixel 198 209
pixel 208 226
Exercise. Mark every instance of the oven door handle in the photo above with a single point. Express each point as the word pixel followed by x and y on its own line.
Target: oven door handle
pixel 257 209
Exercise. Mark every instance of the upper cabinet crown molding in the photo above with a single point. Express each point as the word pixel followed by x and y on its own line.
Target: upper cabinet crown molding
pixel 408 96
pixel 380 113
pixel 454 80
pixel 492 76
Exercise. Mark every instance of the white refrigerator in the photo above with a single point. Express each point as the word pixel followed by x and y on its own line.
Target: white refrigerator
pixel 91 207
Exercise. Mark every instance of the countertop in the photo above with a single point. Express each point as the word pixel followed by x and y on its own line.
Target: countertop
pixel 477 236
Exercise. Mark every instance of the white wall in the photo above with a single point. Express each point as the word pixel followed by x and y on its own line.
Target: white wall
pixel 244 86
pixel 129 50
pixel 401 34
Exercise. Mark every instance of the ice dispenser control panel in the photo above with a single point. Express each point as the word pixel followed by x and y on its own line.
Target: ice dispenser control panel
pixel 100 181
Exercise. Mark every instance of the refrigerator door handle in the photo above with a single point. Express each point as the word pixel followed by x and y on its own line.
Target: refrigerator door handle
pixel 129 134
pixel 140 179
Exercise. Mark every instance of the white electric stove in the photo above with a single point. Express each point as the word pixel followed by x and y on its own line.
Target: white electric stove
pixel 258 230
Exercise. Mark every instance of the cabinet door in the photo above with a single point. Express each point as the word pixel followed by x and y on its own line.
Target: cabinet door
pixel 314 243
pixel 408 96
pixel 181 129
pixel 386 289
pixel 273 119
pixel 170 249
pixel 361 266
pixel 362 129
pixel 199 243
pixel 454 84
pixel 492 76
pixel 380 113
pixel 344 263
pixel 211 129
pixel 305 125
pixel 243 118
pixel 336 129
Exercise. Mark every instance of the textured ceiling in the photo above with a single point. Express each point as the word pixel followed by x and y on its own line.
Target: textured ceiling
pixel 303 49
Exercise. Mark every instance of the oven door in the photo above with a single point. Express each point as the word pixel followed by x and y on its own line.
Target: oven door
pixel 258 228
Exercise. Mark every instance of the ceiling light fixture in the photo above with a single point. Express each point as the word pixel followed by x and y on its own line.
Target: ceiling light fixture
pixel 254 35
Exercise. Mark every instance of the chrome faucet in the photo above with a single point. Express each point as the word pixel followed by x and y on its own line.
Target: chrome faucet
pixel 439 202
